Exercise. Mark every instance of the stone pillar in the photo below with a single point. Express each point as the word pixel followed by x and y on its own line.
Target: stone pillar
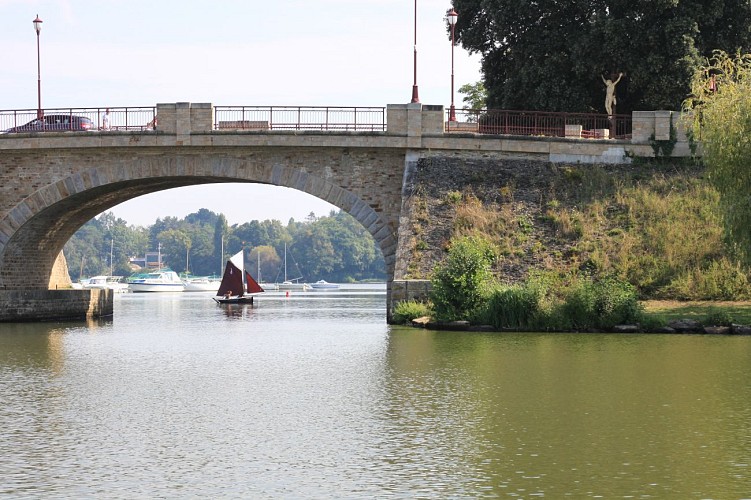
pixel 201 117
pixel 432 120
pixel 663 123
pixel 396 119
pixel 642 126
pixel 184 118
pixel 166 117
pixel 414 125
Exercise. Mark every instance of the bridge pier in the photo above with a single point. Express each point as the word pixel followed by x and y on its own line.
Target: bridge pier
pixel 54 305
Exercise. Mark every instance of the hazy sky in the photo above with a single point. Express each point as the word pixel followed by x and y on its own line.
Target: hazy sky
pixel 98 53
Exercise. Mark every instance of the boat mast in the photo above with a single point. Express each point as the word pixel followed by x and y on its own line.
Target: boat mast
pixel 112 244
pixel 285 261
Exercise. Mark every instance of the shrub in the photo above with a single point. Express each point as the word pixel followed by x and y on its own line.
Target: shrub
pixel 460 283
pixel 717 317
pixel 601 304
pixel 453 197
pixel 511 307
pixel 720 280
pixel 406 311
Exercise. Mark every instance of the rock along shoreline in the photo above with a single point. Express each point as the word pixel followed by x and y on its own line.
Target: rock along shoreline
pixel 680 326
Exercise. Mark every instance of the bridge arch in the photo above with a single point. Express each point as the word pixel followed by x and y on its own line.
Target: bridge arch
pixel 34 231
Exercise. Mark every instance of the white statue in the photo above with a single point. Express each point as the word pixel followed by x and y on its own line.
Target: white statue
pixel 610 92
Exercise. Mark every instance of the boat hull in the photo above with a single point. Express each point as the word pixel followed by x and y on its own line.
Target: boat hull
pixel 324 285
pixel 233 300
pixel 211 286
pixel 155 287
pixel 299 287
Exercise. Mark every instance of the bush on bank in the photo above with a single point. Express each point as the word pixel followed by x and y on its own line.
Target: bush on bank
pixel 461 283
pixel 463 288
pixel 554 303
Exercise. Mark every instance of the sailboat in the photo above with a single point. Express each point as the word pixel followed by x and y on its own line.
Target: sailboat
pixel 234 289
pixel 293 284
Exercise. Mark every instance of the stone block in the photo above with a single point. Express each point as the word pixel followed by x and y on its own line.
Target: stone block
pixel 573 131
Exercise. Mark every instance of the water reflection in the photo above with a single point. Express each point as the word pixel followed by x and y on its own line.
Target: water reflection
pixel 554 415
pixel 316 397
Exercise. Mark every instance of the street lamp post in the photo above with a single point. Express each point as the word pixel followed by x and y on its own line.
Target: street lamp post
pixel 38 28
pixel 415 97
pixel 452 16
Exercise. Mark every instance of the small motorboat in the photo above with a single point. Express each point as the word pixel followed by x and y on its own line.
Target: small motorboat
pixel 324 285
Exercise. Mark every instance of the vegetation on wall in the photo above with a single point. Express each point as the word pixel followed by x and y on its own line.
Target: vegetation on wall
pixel 657 227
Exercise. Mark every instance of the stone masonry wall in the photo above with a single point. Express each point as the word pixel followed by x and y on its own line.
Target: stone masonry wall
pixel 47 305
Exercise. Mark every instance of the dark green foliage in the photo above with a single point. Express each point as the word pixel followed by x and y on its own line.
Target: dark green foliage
pixel 335 248
pixel 601 304
pixel 517 307
pixel 549 55
pixel 88 251
pixel 717 317
pixel 562 302
pixel 461 282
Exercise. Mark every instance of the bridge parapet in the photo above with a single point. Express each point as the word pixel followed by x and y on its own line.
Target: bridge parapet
pixel 184 118
pixel 414 120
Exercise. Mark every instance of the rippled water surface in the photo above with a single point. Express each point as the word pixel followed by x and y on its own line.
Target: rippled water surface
pixel 314 396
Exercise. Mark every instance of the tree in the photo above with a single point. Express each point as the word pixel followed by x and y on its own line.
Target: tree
pixel 475 95
pixel 549 55
pixel 720 108
pixel 175 248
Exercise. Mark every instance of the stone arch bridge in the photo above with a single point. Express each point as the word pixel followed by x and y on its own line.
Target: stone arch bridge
pixel 53 183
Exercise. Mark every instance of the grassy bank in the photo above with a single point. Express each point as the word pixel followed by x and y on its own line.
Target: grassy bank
pixel 665 311
pixel 657 227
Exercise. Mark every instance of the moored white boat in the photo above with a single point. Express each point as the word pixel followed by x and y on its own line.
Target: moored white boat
pixel 164 280
pixel 202 284
pixel 293 285
pixel 290 284
pixel 324 285
pixel 113 283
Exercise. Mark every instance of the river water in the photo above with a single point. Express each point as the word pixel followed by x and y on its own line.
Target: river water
pixel 314 396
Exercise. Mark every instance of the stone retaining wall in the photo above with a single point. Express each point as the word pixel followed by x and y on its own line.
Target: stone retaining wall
pixel 402 290
pixel 54 305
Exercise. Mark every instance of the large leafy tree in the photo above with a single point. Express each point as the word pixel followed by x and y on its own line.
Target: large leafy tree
pixel 550 54
pixel 720 106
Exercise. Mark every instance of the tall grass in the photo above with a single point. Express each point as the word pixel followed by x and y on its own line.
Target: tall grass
pixel 568 302
pixel 658 228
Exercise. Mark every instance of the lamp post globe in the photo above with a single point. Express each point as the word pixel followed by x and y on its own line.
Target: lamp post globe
pixel 452 17
pixel 38 28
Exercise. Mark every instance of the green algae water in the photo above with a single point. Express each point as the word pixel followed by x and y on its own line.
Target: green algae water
pixel 314 396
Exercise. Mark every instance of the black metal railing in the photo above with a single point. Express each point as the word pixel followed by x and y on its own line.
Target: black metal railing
pixel 331 118
pixel 540 123
pixel 101 119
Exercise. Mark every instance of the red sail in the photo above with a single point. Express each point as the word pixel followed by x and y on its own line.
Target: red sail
pixel 232 281
pixel 253 286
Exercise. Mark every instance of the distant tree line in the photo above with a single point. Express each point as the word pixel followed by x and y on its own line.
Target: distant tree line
pixel 334 247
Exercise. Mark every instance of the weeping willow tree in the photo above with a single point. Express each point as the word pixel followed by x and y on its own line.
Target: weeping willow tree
pixel 720 113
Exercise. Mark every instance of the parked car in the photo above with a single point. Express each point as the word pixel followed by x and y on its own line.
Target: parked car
pixel 55 123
